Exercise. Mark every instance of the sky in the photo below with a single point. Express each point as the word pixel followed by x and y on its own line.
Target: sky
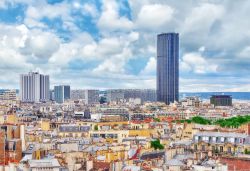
pixel 112 43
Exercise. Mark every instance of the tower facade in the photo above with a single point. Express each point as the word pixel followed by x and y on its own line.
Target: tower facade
pixel 168 67
pixel 62 93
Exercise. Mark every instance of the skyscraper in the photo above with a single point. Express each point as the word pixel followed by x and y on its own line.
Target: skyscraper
pixel 168 67
pixel 62 93
pixel 34 87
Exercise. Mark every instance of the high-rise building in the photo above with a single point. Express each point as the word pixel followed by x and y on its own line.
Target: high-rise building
pixel 34 87
pixel 91 96
pixel 168 67
pixel 62 93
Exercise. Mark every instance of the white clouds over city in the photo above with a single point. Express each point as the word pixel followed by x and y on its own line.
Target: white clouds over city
pixel 111 44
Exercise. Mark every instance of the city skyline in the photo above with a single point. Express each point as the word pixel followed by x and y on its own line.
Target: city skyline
pixel 92 44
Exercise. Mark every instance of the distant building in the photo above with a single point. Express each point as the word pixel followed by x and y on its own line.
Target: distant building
pixel 115 95
pixel 221 100
pixel 168 67
pixel 8 95
pixel 62 93
pixel 77 94
pixel 191 102
pixel 34 87
pixel 127 94
pixel 91 96
pixel 52 95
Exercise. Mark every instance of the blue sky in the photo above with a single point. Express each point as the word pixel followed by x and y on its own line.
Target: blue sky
pixel 111 43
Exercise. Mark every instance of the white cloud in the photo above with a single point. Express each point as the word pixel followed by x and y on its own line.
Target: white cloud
pixel 150 68
pixel 197 63
pixel 90 9
pixel 245 53
pixel 202 17
pixel 41 44
pixel 110 19
pixel 154 16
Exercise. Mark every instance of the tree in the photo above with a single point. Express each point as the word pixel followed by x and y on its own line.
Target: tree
pixel 157 145
pixel 157 120
pixel 96 127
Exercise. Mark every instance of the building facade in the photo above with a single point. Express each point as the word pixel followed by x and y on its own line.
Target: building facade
pixel 34 87
pixel 77 94
pixel 168 67
pixel 91 96
pixel 221 100
pixel 126 94
pixel 62 93
pixel 8 95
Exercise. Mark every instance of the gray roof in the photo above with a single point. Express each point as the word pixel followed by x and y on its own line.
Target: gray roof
pixel 174 162
pixel 43 163
pixel 222 134
pixel 73 128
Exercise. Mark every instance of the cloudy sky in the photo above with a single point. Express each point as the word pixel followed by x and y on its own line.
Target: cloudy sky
pixel 111 43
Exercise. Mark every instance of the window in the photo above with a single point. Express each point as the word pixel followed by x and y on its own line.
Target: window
pixel 229 150
pixel 213 148
pixel 221 148
pixel 195 147
pixel 203 147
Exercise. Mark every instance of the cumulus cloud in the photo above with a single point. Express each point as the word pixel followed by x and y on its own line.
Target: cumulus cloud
pixel 41 45
pixel 202 17
pixel 154 16
pixel 110 20
pixel 150 67
pixel 196 63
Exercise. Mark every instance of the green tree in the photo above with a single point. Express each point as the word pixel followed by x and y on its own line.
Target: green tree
pixel 157 145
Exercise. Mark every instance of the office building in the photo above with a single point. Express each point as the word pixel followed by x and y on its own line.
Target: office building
pixel 34 87
pixel 62 93
pixel 168 67
pixel 91 96
pixel 221 100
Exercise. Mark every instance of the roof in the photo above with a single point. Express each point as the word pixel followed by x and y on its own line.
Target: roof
pixel 43 163
pixel 174 162
pixel 221 134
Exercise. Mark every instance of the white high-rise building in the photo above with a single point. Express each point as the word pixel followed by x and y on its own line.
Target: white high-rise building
pixel 34 87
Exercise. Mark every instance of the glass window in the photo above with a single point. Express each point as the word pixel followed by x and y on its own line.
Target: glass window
pixel 221 148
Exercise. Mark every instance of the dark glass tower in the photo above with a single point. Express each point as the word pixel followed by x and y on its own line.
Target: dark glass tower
pixel 168 67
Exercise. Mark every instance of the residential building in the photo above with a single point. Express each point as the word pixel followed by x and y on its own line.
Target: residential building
pixel 8 95
pixel 210 143
pixel 34 87
pixel 168 67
